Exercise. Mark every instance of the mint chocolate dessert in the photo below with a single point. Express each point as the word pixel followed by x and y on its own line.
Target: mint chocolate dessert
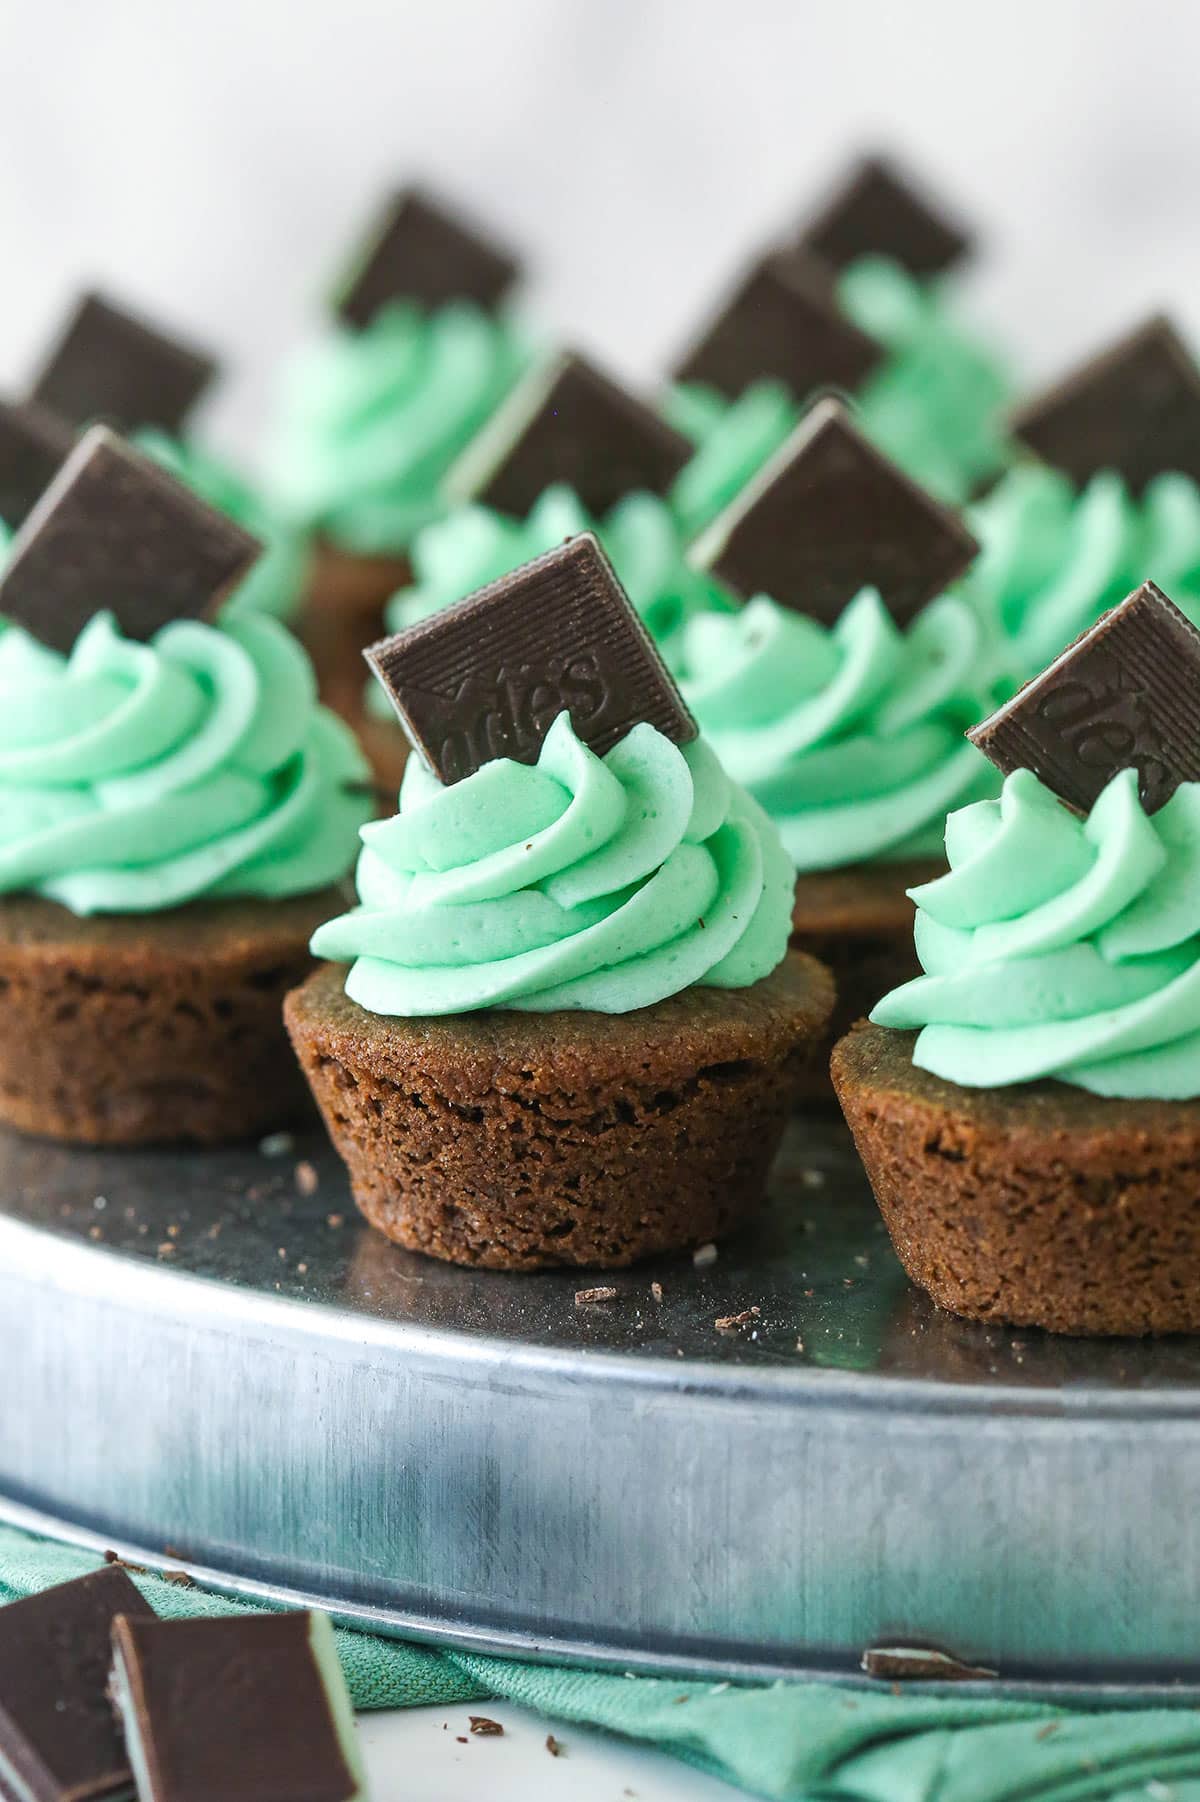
pixel 838 694
pixel 1028 1109
pixel 176 814
pixel 571 1031
pixel 417 351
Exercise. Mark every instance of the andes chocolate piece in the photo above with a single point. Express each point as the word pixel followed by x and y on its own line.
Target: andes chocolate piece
pixel 781 322
pixel 421 253
pixel 830 515
pixel 34 444
pixel 59 1739
pixel 489 677
pixel 113 367
pixel 116 533
pixel 1134 408
pixel 1126 695
pixel 877 211
pixel 568 423
pixel 247 1709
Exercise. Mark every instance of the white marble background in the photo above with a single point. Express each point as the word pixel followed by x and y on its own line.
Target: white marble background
pixel 210 160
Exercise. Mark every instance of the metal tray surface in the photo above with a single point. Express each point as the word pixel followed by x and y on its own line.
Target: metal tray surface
pixel 205 1352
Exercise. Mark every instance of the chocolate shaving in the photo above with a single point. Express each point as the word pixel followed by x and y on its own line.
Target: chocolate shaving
pixel 781 322
pixel 425 254
pixel 921 1664
pixel 554 1746
pixel 116 533
pixel 570 423
pixel 484 1727
pixel 488 678
pixel 1125 695
pixel 1134 408
pixel 878 211
pixel 111 366
pixel 830 515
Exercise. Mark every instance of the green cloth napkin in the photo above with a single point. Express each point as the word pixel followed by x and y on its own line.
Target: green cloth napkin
pixel 792 1742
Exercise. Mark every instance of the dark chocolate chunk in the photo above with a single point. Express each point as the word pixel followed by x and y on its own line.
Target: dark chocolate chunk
pixel 830 515
pixel 921 1664
pixel 422 253
pixel 877 211
pixel 115 532
pixel 59 1740
pixel 489 677
pixel 1134 408
pixel 112 367
pixel 1126 695
pixel 782 322
pixel 569 423
pixel 247 1709
pixel 34 444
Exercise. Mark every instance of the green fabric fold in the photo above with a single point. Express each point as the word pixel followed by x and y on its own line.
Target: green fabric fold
pixel 787 1741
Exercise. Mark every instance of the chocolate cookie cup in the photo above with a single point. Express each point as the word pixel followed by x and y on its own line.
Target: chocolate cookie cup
pixel 134 1030
pixel 1028 1110
pixel 176 813
pixel 516 1141
pixel 571 1032
pixel 1035 1206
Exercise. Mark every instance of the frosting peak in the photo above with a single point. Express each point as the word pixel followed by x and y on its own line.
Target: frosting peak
pixel 1061 947
pixel 372 419
pixel 851 737
pixel 135 777
pixel 578 882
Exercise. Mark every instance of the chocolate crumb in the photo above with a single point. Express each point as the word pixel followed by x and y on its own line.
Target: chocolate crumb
pixel 461 1738
pixel 306 1177
pixel 486 1728
pixel 554 1746
pixel 582 1296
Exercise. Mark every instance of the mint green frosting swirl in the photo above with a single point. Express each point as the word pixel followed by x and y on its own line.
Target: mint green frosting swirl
pixel 135 777
pixel 475 545
pixel 936 403
pixel 733 440
pixel 372 420
pixel 1059 947
pixel 850 737
pixel 1053 560
pixel 578 882
pixel 276 581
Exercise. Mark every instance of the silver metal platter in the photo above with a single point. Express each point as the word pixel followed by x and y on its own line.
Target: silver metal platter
pixel 198 1355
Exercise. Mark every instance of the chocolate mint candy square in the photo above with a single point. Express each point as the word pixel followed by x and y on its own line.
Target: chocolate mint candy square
pixel 249 1709
pixel 830 515
pixel 568 423
pixel 112 367
pixel 489 677
pixel 59 1738
pixel 877 211
pixel 1126 695
pixel 422 253
pixel 34 444
pixel 781 322
pixel 116 533
pixel 1134 408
